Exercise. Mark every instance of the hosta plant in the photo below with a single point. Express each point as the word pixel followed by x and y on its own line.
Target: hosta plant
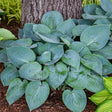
pixel 47 56
pixel 103 99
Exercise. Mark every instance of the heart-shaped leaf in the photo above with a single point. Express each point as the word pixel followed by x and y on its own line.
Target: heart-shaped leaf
pixel 16 90
pixel 52 19
pixel 57 75
pixel 36 94
pixel 20 55
pixel 30 71
pixel 71 58
pixel 75 100
pixel 96 37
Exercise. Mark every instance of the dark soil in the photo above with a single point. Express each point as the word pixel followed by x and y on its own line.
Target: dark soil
pixel 54 102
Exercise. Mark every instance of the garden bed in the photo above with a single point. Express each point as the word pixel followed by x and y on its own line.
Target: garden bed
pixel 54 102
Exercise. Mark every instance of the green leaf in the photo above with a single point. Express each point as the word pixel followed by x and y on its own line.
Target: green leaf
pixel 56 50
pixel 85 22
pixel 52 19
pixel 66 27
pixel 8 74
pixel 108 84
pixel 107 66
pixel 102 21
pixel 77 79
pixel 28 32
pixel 93 63
pixel 30 71
pixel 20 55
pixel 80 48
pixel 5 43
pixel 3 56
pixel 96 37
pixel 36 94
pixel 27 42
pixel 94 83
pixel 106 5
pixel 106 106
pixel 41 28
pixel 71 58
pixel 57 75
pixel 100 97
pixel 48 38
pixel 90 9
pixel 100 11
pixel 6 34
pixel 105 51
pixel 93 17
pixel 77 30
pixel 16 90
pixel 44 58
pixel 75 100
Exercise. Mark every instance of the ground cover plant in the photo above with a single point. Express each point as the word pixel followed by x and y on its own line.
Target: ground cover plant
pixel 12 8
pixel 47 57
pixel 104 98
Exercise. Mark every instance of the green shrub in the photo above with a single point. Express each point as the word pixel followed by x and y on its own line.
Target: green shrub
pixel 86 2
pixel 12 8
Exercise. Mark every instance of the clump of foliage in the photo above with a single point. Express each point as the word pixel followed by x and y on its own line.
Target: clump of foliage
pixel 12 8
pixel 2 13
pixel 103 99
pixel 47 55
pixel 86 2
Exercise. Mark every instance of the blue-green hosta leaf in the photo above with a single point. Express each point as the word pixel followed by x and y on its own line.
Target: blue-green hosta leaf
pixel 77 79
pixel 20 33
pixel 66 27
pixel 85 22
pixel 20 55
pixel 44 58
pixel 5 43
pixel 95 83
pixel 102 21
pixel 93 63
pixel 100 97
pixel 28 32
pixel 96 37
pixel 8 74
pixel 52 19
pixel 109 13
pixel 77 30
pixel 3 56
pixel 6 34
pixel 106 5
pixel 57 74
pixel 80 48
pixel 107 66
pixel 27 42
pixel 30 71
pixel 56 53
pixel 75 100
pixel 16 90
pixel 41 28
pixel 48 37
pixel 91 9
pixel 105 51
pixel 106 106
pixel 100 11
pixel 71 58
pixel 93 17
pixel 36 94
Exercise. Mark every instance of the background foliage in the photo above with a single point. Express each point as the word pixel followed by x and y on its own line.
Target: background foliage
pixel 13 8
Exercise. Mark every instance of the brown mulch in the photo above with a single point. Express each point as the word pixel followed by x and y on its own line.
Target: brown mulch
pixel 54 102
